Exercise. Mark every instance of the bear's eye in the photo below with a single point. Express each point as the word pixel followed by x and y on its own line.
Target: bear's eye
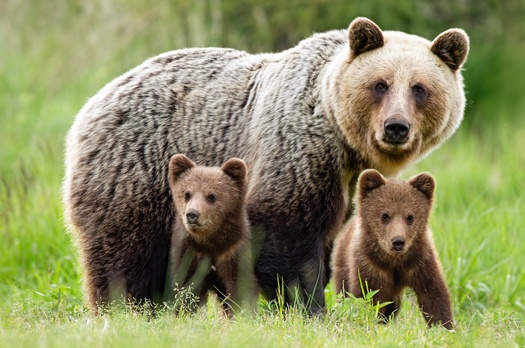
pixel 410 219
pixel 385 218
pixel 187 196
pixel 211 198
pixel 380 88
pixel 420 93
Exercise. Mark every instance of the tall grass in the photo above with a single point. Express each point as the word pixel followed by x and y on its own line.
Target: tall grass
pixel 55 55
pixel 478 220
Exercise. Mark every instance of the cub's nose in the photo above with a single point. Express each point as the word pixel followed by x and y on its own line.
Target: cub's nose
pixel 192 216
pixel 398 243
pixel 396 130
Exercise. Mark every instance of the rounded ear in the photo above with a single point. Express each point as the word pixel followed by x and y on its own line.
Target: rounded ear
pixel 178 165
pixel 235 168
pixel 451 47
pixel 364 35
pixel 425 183
pixel 369 180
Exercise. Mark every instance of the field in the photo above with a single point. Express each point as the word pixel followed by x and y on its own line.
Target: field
pixel 54 56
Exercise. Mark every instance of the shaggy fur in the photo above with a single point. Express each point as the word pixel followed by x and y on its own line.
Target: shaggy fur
pixel 306 121
pixel 210 249
pixel 388 245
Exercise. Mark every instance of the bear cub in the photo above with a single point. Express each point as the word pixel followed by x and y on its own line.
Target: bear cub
pixel 211 248
pixel 389 245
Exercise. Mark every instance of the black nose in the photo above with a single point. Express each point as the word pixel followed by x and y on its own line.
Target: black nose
pixel 192 216
pixel 396 130
pixel 398 243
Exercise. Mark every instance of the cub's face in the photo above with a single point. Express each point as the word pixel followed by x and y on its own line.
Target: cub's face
pixel 395 212
pixel 400 95
pixel 206 197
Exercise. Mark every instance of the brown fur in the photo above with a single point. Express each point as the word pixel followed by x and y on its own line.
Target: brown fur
pixel 306 121
pixel 211 239
pixel 388 244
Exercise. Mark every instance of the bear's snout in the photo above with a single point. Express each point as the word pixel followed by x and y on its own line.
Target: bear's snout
pixel 192 216
pixel 398 243
pixel 396 130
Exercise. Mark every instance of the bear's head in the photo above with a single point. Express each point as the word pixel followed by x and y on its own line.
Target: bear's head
pixel 207 198
pixel 396 96
pixel 394 212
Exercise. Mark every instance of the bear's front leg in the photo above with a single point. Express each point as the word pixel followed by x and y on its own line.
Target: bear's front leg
pixel 366 280
pixel 389 311
pixel 238 280
pixel 433 297
pixel 190 276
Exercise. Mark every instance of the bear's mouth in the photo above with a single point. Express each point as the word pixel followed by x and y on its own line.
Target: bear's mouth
pixel 393 147
pixel 396 150
pixel 395 253
pixel 193 227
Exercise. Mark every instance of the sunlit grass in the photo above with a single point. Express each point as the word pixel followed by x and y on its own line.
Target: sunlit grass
pixel 53 57
pixel 350 322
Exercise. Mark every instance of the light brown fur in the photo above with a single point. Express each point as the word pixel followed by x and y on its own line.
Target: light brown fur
pixel 389 246
pixel 211 239
pixel 388 58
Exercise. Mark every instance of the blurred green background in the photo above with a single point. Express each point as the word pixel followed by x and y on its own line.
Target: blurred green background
pixel 55 54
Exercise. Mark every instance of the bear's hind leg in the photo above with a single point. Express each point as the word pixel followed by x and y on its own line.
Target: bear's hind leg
pixel 312 279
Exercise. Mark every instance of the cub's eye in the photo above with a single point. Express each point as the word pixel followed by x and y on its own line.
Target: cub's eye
pixel 410 219
pixel 380 88
pixel 187 196
pixel 384 217
pixel 211 198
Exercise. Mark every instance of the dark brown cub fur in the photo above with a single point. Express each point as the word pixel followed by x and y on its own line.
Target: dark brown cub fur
pixel 211 238
pixel 388 244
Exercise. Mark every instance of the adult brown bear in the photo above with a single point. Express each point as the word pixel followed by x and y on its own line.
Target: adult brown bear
pixel 306 121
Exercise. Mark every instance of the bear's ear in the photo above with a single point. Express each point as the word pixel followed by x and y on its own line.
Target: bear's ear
pixel 451 47
pixel 235 168
pixel 369 180
pixel 178 165
pixel 364 35
pixel 425 183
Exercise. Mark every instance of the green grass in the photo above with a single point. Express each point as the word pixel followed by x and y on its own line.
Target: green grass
pixel 477 226
pixel 54 57
pixel 350 322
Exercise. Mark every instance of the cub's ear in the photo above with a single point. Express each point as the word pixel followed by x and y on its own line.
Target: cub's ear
pixel 451 47
pixel 425 183
pixel 364 35
pixel 178 165
pixel 369 180
pixel 235 168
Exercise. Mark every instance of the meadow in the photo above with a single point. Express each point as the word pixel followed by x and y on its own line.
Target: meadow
pixel 55 55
